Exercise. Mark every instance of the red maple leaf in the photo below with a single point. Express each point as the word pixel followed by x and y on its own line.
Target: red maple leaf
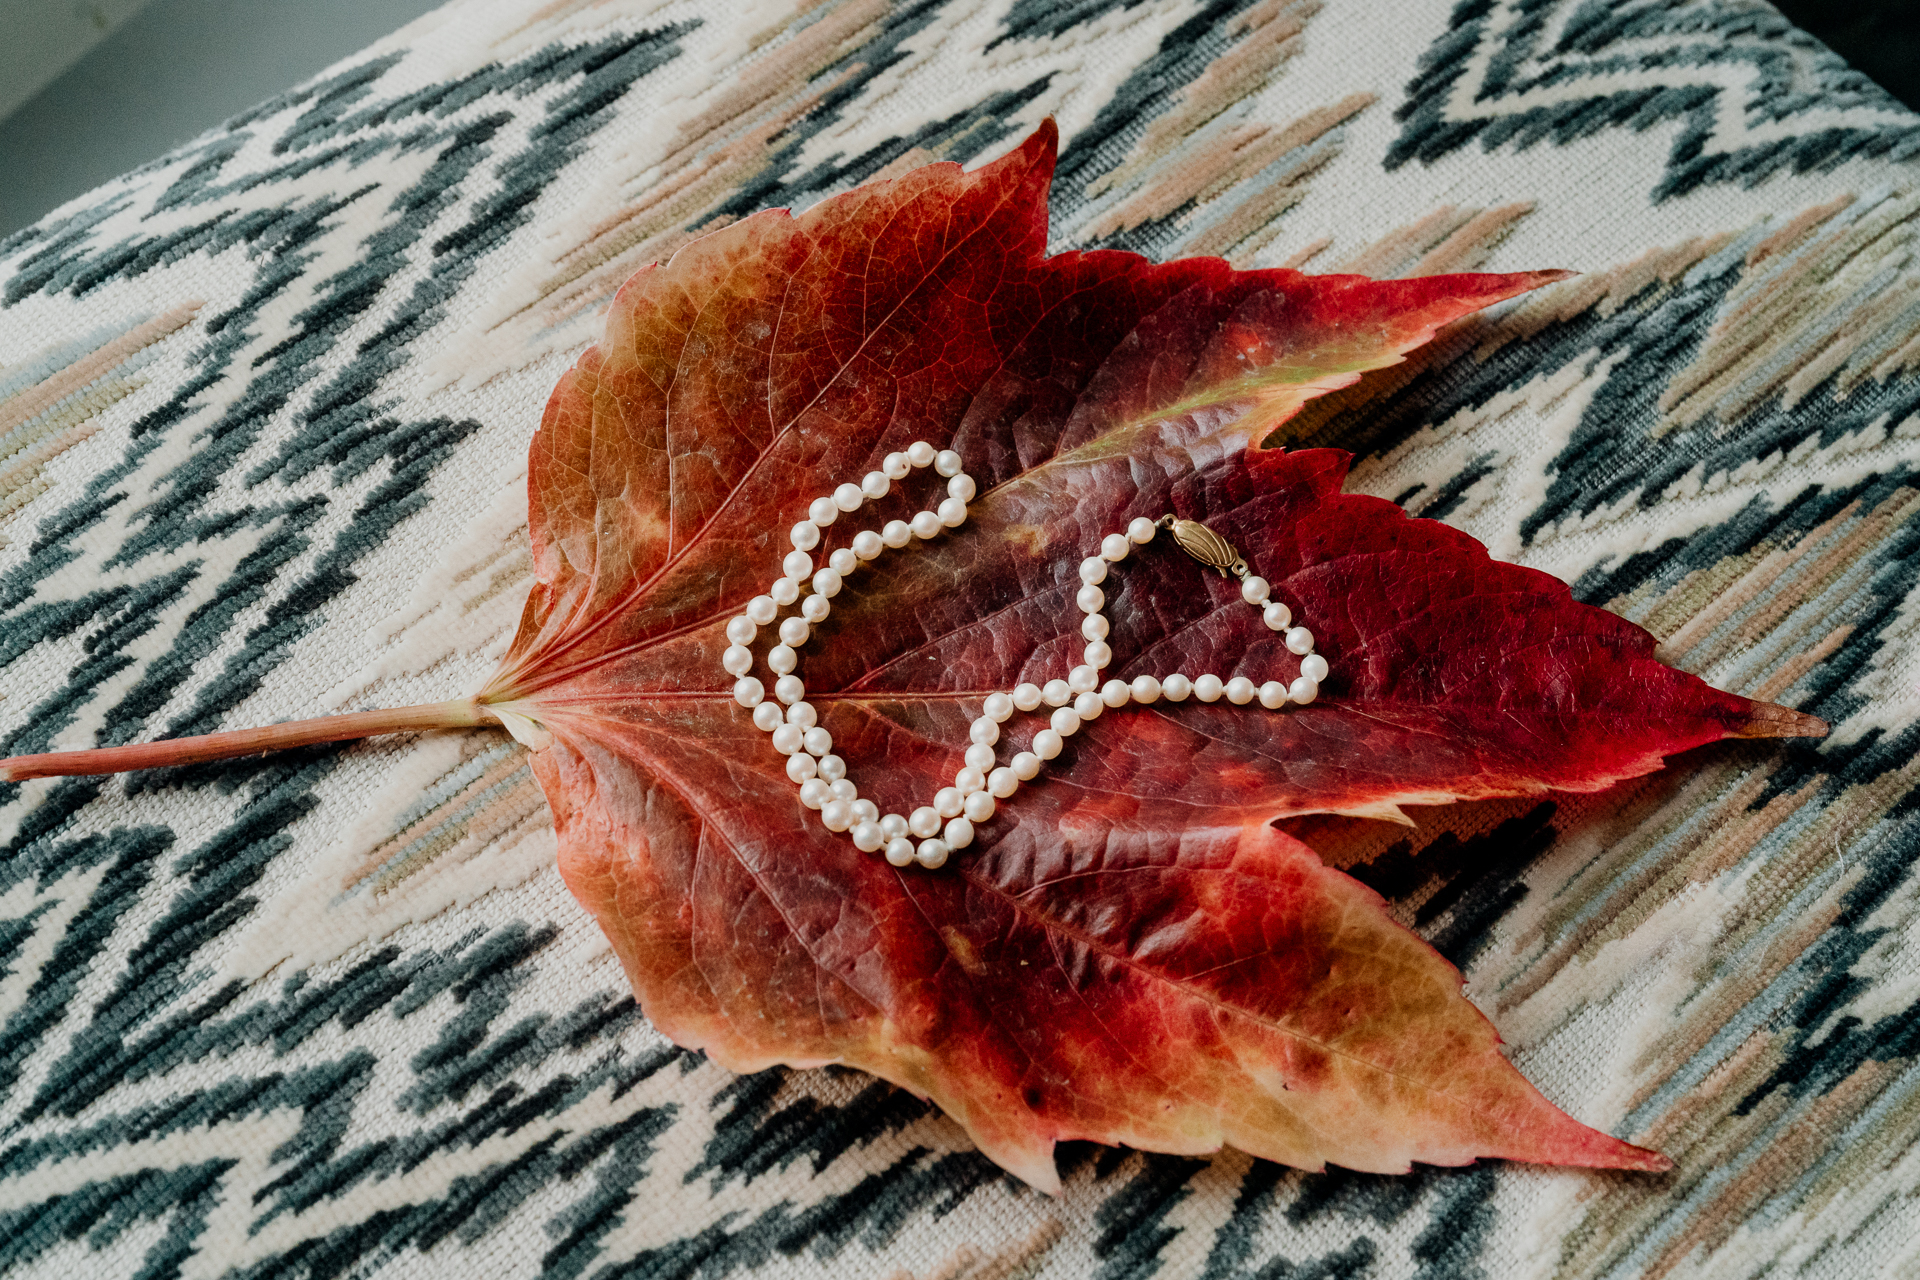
pixel 1128 951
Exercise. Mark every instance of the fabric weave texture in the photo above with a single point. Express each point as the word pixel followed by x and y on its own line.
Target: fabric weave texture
pixel 264 408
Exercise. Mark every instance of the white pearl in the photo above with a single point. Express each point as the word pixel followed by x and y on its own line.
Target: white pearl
pixel 1300 640
pixel 920 453
pixel 805 536
pixel 1145 689
pixel 900 851
pixel 924 821
pixel 1026 765
pixel 1083 679
pixel 1276 615
pixel 980 806
pixel 823 512
pixel 895 466
pixel 813 792
pixel 1088 706
pixel 797 565
pixel 980 756
pixel 843 561
pixel 893 826
pixel 794 632
pixel 788 738
pixel 962 487
pixel 865 811
pixel 1003 782
pixel 762 610
pixel 925 525
pixel 867 837
pixel 1093 571
pixel 1047 744
pixel 802 767
pixel 1273 695
pixel 836 815
pixel 1058 693
pixel 737 660
pixel 1239 691
pixel 1065 722
pixel 748 692
pixel 1115 546
pixel 1091 599
pixel 1314 667
pixel 1254 589
pixel 848 497
pixel 968 781
pixel 789 689
pixel 741 630
pixel 867 544
pixel 984 730
pixel 895 533
pixel 1094 626
pixel 1116 693
pixel 782 658
pixel 932 854
pixel 1026 696
pixel 1176 687
pixel 766 718
pixel 997 707
pixel 1208 688
pixel 842 787
pixel 784 591
pixel 1098 654
pixel 1141 529
pixel 1303 690
pixel 958 833
pixel 947 801
pixel 818 742
pixel 827 582
pixel 803 714
pixel 947 462
pixel 952 512
pixel 875 484
pixel 815 609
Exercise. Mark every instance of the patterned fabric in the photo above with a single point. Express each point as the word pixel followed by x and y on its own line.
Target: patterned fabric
pixel 264 406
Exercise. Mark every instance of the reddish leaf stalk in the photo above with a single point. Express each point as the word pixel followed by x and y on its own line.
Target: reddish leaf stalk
pixel 1130 953
pixel 460 713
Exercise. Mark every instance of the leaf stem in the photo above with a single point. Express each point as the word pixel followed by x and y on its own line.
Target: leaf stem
pixel 461 713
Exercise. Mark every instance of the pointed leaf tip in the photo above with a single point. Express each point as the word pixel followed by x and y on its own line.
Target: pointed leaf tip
pixel 1771 720
pixel 1116 958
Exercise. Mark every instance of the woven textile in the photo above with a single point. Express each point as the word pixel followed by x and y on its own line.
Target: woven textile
pixel 264 407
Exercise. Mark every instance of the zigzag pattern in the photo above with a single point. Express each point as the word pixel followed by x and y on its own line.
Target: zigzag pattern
pixel 266 1132
pixel 1752 93
pixel 480 1081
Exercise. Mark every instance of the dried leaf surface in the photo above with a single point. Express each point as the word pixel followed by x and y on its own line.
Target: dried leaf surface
pixel 1129 952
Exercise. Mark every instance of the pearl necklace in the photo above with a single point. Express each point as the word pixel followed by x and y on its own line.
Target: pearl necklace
pixel 947 824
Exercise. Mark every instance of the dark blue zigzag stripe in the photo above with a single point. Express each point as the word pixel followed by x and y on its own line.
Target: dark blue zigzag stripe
pixel 749 1141
pixel 961 136
pixel 1794 73
pixel 1051 19
pixel 344 425
pixel 1610 456
pixel 1146 94
pixel 139 1032
pixel 133 1034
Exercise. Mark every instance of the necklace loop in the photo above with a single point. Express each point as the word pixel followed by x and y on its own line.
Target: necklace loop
pixel 948 823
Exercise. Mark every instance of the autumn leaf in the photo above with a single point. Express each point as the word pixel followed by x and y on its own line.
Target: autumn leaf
pixel 1129 952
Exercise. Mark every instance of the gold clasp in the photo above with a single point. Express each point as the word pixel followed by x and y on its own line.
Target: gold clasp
pixel 1206 546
